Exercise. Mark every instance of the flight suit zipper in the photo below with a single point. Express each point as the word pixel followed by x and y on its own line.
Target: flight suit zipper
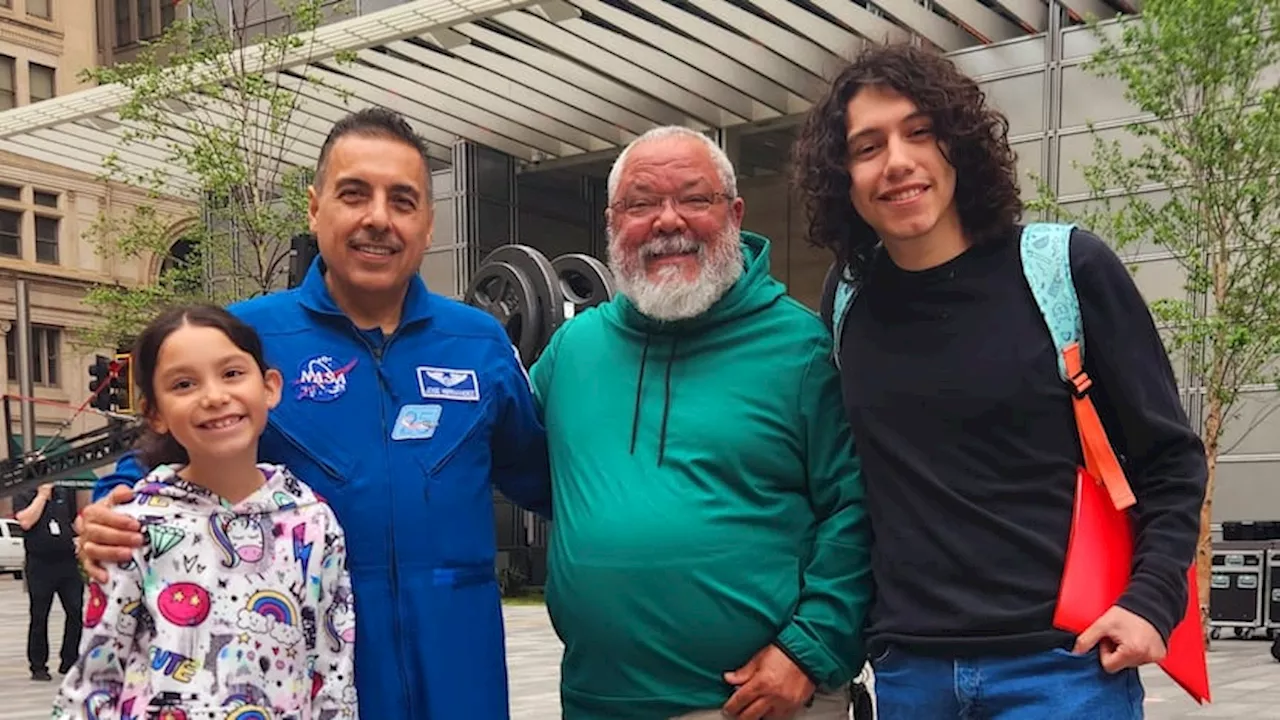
pixel 377 353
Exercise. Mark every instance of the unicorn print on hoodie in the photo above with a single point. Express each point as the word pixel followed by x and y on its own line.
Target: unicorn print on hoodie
pixel 225 611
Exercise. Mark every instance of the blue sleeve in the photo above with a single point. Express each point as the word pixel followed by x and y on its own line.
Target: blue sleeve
pixel 521 468
pixel 128 472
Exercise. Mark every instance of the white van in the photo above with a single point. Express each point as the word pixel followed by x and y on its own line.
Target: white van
pixel 12 553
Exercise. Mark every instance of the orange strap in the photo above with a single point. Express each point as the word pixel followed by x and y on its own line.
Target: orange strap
pixel 1099 457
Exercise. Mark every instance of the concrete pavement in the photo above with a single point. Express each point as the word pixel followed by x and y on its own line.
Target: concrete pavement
pixel 1246 680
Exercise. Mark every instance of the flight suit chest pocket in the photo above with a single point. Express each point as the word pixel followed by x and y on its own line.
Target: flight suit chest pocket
pixel 442 436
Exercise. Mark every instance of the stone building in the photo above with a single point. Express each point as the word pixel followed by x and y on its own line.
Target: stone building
pixel 48 209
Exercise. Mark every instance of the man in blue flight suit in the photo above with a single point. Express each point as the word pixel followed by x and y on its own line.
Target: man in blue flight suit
pixel 402 409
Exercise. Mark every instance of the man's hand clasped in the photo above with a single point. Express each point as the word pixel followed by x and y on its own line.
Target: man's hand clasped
pixel 106 535
pixel 770 686
pixel 1123 639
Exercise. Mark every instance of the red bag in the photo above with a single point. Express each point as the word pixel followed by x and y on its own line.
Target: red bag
pixel 1100 549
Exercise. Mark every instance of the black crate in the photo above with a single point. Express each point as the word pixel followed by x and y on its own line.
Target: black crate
pixel 1234 530
pixel 1234 598
pixel 1272 589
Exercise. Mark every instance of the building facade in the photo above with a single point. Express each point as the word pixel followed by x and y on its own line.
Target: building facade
pixel 47 214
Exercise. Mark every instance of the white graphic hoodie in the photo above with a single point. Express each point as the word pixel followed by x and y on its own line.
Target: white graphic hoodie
pixel 226 612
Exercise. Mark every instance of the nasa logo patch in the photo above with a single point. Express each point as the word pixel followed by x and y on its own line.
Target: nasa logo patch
pixel 322 378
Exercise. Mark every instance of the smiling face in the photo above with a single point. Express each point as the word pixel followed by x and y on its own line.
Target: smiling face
pixel 673 231
pixel 371 215
pixel 902 184
pixel 211 395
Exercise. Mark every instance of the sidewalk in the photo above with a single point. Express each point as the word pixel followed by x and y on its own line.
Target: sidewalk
pixel 1243 678
pixel 1246 680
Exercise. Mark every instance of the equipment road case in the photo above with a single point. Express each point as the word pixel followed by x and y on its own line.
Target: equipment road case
pixel 1240 596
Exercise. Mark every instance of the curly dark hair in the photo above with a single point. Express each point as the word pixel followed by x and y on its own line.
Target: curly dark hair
pixel 975 138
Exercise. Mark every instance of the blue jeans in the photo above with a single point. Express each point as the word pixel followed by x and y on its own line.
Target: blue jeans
pixel 1053 684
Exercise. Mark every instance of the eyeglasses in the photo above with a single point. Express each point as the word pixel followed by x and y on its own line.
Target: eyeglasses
pixel 647 206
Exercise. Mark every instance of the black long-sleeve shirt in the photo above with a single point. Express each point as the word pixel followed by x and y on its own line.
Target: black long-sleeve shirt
pixel 970 448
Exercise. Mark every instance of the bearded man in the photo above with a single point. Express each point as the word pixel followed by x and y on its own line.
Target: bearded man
pixel 710 549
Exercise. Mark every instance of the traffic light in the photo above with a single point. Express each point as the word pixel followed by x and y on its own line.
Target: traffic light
pixel 99 374
pixel 121 389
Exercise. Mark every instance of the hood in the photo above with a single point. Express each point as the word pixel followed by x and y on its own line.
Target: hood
pixel 281 491
pixel 755 290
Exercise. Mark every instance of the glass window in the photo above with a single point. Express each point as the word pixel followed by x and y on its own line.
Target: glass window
pixel 144 20
pixel 47 240
pixel 124 23
pixel 43 82
pixel 40 8
pixel 51 358
pixel 46 199
pixel 46 355
pixel 8 96
pixel 10 233
pixel 10 192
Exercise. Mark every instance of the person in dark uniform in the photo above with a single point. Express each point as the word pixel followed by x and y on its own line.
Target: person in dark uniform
pixel 46 515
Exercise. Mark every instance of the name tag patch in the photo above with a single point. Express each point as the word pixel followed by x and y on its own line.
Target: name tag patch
pixel 448 384
pixel 416 422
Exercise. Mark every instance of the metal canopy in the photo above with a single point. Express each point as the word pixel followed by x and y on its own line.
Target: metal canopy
pixel 557 79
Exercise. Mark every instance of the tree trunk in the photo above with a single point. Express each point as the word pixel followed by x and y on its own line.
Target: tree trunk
pixel 1204 548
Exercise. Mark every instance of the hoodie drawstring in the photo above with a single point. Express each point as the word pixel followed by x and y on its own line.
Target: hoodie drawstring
pixel 635 418
pixel 666 402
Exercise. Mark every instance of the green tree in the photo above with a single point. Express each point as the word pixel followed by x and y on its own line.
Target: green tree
pixel 1203 72
pixel 231 95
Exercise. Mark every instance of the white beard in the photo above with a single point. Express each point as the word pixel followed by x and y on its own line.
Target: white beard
pixel 669 297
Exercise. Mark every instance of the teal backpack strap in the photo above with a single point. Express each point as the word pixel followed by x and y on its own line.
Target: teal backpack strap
pixel 1046 263
pixel 846 290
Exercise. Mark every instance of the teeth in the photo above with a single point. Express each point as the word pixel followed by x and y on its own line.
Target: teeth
pixel 224 422
pixel 374 249
pixel 905 194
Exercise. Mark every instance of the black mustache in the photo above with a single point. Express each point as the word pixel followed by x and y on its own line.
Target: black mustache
pixel 386 241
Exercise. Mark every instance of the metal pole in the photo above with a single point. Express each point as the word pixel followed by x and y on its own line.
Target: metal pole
pixel 26 387
pixel 8 428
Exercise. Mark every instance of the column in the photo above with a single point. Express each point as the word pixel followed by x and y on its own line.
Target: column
pixel 484 205
pixel 729 140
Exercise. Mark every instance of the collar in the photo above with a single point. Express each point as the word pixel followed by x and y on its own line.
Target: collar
pixel 314 295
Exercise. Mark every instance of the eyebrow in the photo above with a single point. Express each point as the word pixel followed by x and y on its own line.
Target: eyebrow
pixel 644 187
pixel 867 131
pixel 228 359
pixel 361 184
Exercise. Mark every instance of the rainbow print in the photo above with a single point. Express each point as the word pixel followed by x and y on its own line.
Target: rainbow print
pixel 249 712
pixel 97 701
pixel 273 605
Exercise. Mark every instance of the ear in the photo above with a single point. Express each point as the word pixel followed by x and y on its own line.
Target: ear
pixel 737 207
pixel 153 420
pixel 313 205
pixel 274 382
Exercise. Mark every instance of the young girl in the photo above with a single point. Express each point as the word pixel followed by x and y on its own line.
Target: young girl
pixel 238 606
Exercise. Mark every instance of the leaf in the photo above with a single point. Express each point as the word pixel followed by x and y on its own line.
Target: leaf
pixel 1210 138
pixel 227 193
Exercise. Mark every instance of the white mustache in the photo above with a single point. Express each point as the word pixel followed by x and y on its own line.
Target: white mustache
pixel 668 244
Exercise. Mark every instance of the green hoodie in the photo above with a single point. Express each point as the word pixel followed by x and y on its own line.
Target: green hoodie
pixel 707 500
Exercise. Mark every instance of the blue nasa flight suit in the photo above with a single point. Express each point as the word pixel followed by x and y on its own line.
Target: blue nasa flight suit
pixel 405 438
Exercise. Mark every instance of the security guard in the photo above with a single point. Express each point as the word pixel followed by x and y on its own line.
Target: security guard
pixel 403 409
pixel 46 514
